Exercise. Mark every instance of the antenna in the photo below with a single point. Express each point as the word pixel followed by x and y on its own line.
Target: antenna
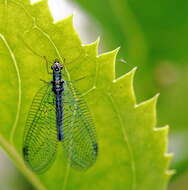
pixel 47 65
pixel 64 63
pixel 28 47
pixel 35 53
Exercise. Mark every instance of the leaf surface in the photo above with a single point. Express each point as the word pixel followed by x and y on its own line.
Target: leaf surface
pixel 132 151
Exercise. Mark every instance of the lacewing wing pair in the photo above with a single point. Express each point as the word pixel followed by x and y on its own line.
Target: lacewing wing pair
pixel 59 114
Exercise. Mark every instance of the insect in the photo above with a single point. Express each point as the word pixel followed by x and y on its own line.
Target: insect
pixel 58 114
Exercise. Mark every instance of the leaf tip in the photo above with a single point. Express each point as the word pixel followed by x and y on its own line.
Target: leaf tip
pixel 92 47
pixel 169 173
pixel 130 75
pixel 132 72
pixel 155 99
pixel 169 156
pixel 70 18
pixel 157 95
pixel 116 51
pixel 150 103
pixel 95 43
pixel 118 48
pixel 112 53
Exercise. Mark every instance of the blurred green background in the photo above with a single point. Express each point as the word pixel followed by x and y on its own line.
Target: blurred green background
pixel 153 36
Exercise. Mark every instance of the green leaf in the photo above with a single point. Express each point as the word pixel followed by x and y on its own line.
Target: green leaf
pixel 132 151
pixel 152 35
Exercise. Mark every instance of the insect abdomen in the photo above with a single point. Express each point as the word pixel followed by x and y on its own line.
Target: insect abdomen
pixel 59 117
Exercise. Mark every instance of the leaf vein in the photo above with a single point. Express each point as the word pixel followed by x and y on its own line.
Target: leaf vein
pixel 133 168
pixel 19 87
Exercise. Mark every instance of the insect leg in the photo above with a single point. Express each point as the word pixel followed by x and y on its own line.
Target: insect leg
pixel 47 65
pixel 46 82
pixel 76 79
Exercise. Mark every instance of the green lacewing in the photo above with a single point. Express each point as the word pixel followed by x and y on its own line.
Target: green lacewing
pixel 59 114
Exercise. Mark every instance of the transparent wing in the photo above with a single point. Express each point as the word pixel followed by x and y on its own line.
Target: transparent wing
pixel 79 141
pixel 40 139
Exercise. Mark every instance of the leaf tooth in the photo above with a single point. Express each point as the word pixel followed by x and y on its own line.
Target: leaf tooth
pixel 27 2
pixel 152 100
pixel 92 48
pixel 169 157
pixel 170 173
pixel 161 134
pixel 123 86
pixel 132 72
pixel 106 68
pixel 42 12
pixel 68 21
pixel 148 110
pixel 65 30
